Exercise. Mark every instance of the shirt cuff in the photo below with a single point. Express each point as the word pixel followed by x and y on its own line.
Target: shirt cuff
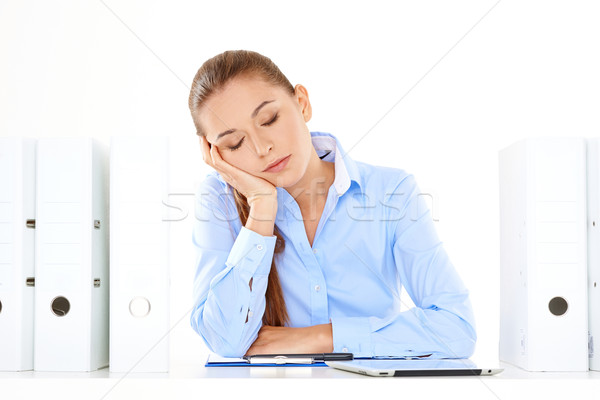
pixel 252 253
pixel 352 335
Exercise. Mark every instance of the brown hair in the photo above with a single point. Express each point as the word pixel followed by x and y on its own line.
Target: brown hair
pixel 212 76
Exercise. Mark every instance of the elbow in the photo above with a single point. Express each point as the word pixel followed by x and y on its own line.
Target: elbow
pixel 470 338
pixel 464 337
pixel 223 348
pixel 229 351
pixel 464 346
pixel 214 341
pixel 211 341
pixel 457 346
pixel 460 338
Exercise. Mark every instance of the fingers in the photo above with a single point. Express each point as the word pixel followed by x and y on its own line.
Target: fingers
pixel 211 156
pixel 205 149
pixel 217 161
pixel 215 156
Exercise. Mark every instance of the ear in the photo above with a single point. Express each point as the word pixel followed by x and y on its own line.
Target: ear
pixel 304 106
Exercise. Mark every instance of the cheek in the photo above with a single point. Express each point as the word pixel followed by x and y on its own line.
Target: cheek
pixel 230 157
pixel 239 159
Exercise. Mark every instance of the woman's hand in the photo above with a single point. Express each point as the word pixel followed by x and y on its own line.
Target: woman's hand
pixel 284 340
pixel 255 189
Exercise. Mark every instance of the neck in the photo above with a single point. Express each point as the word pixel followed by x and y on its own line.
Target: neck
pixel 311 190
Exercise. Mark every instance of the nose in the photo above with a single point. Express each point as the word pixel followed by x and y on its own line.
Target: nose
pixel 262 145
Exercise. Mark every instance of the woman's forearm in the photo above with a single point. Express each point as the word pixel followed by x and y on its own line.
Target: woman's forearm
pixel 261 218
pixel 279 339
pixel 324 337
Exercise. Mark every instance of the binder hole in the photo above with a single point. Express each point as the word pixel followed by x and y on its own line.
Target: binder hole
pixel 139 307
pixel 593 223
pixel 558 306
pixel 60 306
pixel 0 306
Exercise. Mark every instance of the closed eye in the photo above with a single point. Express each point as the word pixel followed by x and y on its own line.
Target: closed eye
pixel 237 146
pixel 271 122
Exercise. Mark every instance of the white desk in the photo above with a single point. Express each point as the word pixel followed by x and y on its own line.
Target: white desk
pixel 195 381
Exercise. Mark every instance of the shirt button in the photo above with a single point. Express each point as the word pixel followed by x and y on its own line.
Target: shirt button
pixel 315 251
pixel 259 247
pixel 250 314
pixel 317 288
pixel 345 350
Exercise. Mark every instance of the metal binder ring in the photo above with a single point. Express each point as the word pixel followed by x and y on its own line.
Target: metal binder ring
pixel 60 306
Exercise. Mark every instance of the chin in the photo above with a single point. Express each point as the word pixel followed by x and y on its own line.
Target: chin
pixel 285 179
pixel 291 175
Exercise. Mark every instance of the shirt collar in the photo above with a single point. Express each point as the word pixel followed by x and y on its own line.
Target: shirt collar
pixel 328 148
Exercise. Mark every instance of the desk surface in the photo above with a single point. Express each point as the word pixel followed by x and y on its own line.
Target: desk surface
pixel 198 371
pixel 194 380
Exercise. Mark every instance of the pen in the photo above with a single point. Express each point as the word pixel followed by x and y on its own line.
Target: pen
pixel 298 358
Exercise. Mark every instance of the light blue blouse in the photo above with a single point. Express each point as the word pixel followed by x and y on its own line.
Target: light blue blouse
pixel 376 234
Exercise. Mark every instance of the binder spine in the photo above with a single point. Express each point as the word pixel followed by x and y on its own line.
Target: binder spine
pixel 544 254
pixel 69 332
pixel 559 276
pixel 99 230
pixel 139 279
pixel 514 297
pixel 17 205
pixel 593 226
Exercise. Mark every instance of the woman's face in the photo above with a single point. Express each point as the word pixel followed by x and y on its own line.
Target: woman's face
pixel 254 123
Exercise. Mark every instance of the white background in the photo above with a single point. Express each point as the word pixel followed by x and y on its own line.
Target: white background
pixel 427 86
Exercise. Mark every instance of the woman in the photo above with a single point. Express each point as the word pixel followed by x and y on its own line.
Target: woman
pixel 302 249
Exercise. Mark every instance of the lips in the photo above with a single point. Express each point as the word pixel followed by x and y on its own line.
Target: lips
pixel 277 165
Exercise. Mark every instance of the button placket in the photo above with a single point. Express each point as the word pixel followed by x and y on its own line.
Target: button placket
pixel 319 301
pixel 317 292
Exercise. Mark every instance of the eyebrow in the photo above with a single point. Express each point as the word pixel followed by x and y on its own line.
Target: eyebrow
pixel 253 115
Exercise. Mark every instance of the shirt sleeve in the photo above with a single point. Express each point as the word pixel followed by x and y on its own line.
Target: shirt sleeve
pixel 227 313
pixel 442 323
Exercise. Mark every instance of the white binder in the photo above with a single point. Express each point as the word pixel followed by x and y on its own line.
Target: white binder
pixel 139 260
pixel 543 255
pixel 17 220
pixel 593 224
pixel 71 265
